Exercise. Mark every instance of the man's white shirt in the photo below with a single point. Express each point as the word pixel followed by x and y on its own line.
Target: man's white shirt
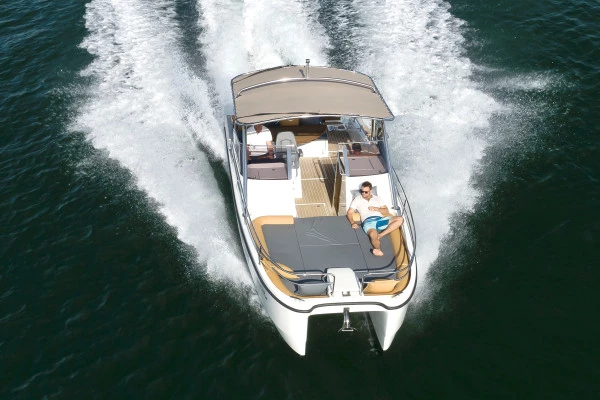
pixel 362 206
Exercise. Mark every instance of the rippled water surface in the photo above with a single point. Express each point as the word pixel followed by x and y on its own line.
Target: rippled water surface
pixel 121 274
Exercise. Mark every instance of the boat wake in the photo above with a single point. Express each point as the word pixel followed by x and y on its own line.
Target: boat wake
pixel 238 37
pixel 156 117
pixel 151 114
pixel 442 119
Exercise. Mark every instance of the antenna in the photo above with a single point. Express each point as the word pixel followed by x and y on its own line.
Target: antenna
pixel 307 64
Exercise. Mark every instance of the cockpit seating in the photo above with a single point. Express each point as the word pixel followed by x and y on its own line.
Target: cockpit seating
pixel 284 140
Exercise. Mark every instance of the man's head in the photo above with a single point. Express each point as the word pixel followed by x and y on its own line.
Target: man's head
pixel 365 189
pixel 258 128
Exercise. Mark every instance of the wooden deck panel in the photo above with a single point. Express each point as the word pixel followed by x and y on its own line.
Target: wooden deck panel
pixel 318 178
pixel 317 187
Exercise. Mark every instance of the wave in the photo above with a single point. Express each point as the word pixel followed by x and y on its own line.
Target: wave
pixel 238 37
pixel 413 49
pixel 149 112
pixel 153 114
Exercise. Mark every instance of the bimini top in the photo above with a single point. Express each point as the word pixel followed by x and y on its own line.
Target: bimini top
pixel 299 91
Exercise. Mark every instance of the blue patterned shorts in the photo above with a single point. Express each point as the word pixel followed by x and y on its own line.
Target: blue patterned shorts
pixel 378 223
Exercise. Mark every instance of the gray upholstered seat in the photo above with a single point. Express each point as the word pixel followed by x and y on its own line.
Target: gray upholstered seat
pixel 284 140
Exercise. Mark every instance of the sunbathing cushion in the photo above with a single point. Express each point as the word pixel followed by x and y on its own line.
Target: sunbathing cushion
pixel 283 245
pixel 339 256
pixel 325 242
pixel 324 231
pixel 376 263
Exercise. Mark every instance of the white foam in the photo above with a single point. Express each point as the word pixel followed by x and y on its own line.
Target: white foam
pixel 414 54
pixel 238 37
pixel 532 81
pixel 150 113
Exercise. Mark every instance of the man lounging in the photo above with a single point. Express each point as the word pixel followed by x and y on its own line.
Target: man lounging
pixel 374 223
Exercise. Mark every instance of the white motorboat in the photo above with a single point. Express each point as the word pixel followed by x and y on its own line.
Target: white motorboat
pixel 301 142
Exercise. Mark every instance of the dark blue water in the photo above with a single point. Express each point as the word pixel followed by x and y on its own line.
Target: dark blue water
pixel 120 272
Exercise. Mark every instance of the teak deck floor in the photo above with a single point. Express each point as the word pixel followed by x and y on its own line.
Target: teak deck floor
pixel 318 178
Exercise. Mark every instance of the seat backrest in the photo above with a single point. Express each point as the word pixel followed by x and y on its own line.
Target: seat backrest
pixel 286 139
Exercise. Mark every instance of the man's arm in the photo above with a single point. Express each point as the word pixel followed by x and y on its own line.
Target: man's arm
pixel 350 215
pixel 382 209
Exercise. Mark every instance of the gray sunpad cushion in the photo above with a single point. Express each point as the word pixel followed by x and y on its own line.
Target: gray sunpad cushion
pixel 334 256
pixel 375 263
pixel 324 231
pixel 283 245
pixel 316 244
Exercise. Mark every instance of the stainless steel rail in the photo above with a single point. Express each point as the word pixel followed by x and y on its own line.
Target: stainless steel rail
pixel 406 212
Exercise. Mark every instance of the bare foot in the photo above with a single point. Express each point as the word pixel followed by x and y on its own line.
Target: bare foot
pixel 377 252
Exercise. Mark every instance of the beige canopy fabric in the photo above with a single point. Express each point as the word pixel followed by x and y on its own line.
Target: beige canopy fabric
pixel 286 92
